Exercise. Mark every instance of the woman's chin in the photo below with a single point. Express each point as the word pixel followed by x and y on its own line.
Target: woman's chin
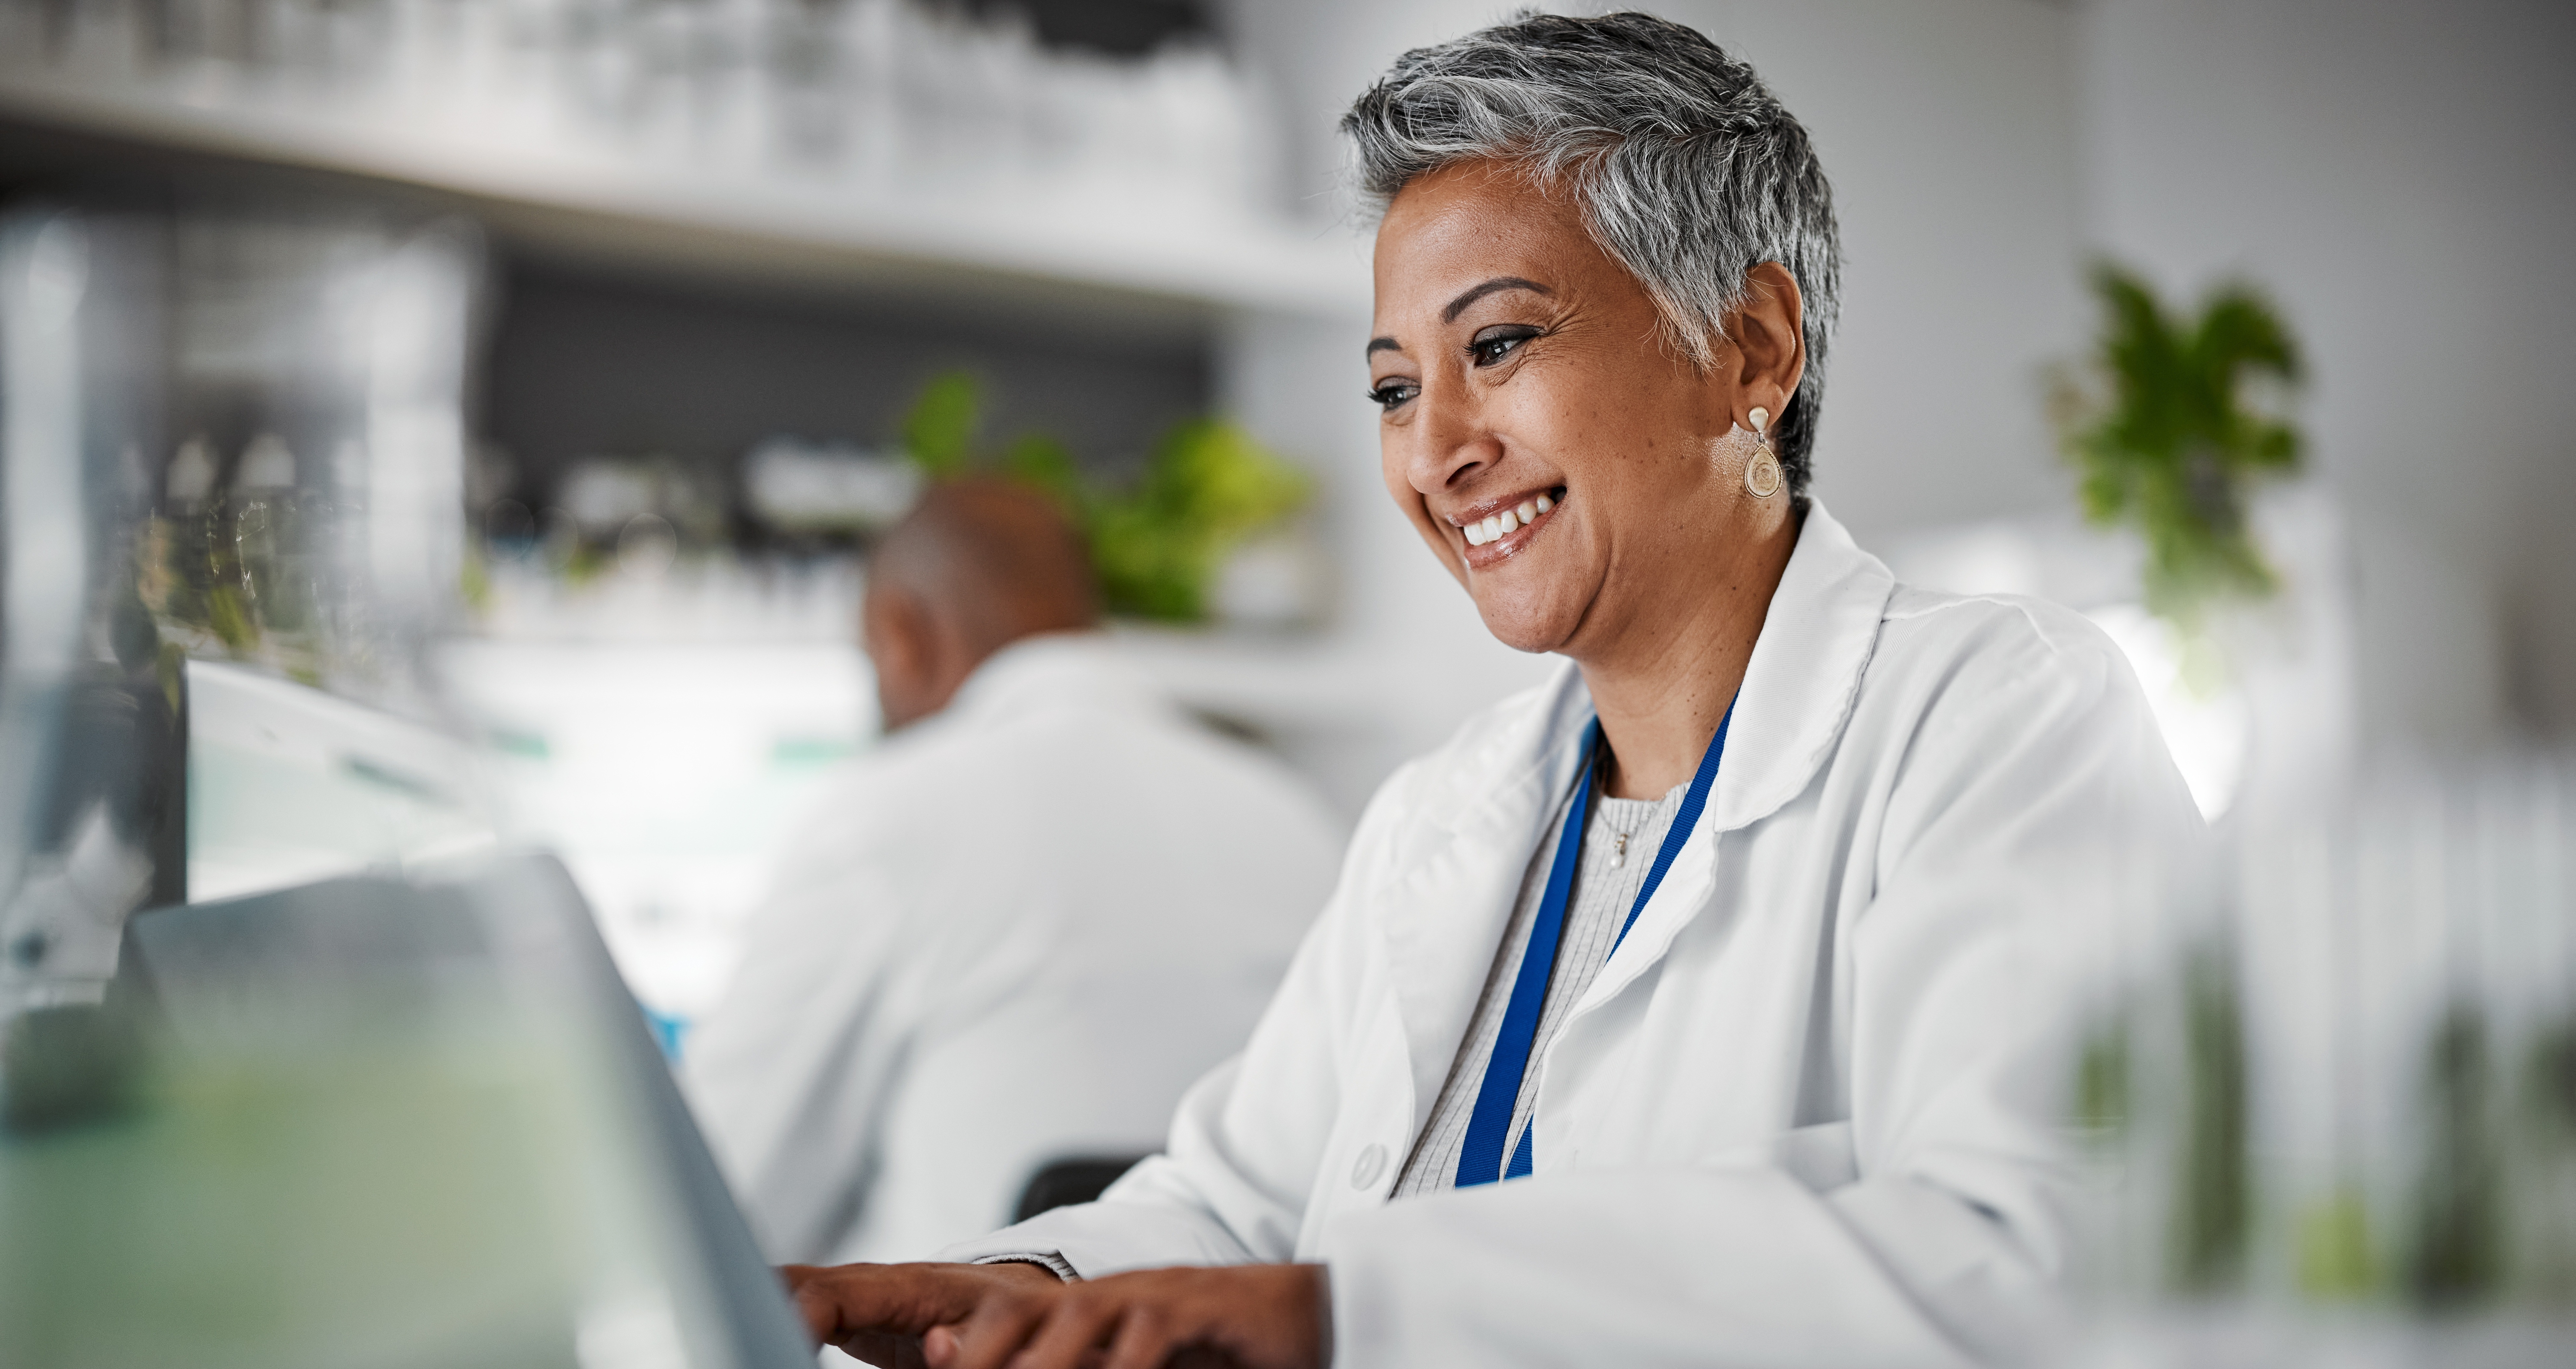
pixel 1523 626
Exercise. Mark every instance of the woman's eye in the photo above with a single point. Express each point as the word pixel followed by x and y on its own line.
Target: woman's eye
pixel 1491 346
pixel 1388 394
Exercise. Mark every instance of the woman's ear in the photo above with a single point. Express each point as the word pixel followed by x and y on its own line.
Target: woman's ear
pixel 1769 355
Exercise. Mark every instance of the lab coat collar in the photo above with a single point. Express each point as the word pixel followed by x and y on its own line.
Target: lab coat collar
pixel 1798 691
pixel 1485 813
pixel 1805 674
pixel 1053 669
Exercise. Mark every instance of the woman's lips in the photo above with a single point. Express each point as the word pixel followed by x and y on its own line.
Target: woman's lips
pixel 1496 530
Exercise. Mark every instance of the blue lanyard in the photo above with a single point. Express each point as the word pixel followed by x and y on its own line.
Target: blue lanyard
pixel 1480 1160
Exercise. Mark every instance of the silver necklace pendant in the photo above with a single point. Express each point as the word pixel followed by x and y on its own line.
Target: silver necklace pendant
pixel 1618 849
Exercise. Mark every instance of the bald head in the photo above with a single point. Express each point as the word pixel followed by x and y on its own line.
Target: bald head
pixel 977 565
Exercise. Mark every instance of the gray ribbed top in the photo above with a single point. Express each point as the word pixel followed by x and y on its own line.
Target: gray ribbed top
pixel 1595 911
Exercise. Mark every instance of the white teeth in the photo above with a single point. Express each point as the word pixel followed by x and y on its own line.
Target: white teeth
pixel 1502 524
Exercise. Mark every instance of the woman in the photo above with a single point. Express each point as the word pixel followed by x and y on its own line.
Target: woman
pixel 1695 1007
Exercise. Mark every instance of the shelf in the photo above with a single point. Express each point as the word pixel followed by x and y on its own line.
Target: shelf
pixel 725 217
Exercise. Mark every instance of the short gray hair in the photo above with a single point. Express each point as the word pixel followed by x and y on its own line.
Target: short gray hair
pixel 1689 173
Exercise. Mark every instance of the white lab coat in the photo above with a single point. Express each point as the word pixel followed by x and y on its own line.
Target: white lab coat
pixel 1805 1113
pixel 1013 934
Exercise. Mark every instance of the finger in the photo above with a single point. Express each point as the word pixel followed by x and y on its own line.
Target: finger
pixel 819 1310
pixel 1079 1323
pixel 999 1326
pixel 796 1277
pixel 883 1351
pixel 897 1299
pixel 1144 1340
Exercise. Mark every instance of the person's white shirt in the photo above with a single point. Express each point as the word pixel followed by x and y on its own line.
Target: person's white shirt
pixel 1014 933
pixel 1808 1111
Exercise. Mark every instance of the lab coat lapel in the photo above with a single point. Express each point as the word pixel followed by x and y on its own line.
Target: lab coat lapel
pixel 1798 692
pixel 1451 895
pixel 1481 821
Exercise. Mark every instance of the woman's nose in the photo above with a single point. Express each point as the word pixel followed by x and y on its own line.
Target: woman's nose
pixel 1450 444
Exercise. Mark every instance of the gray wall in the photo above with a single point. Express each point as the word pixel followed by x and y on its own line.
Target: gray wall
pixel 2403 177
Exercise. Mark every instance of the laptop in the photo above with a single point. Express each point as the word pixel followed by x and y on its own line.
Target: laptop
pixel 398 1120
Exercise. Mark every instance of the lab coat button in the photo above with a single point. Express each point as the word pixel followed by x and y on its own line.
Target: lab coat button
pixel 1372 1162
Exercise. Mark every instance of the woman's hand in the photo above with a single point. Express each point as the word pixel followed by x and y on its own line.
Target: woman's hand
pixel 880 1312
pixel 947 1316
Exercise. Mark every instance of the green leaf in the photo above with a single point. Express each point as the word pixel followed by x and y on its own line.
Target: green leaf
pixel 940 430
pixel 1048 465
pixel 2163 440
pixel 1156 543
pixel 1208 485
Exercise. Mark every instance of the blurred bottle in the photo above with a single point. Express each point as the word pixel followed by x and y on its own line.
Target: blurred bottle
pixel 2335 1121
pixel 92 723
pixel 898 100
pixel 227 437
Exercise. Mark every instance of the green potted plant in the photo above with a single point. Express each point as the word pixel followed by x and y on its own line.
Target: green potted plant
pixel 2169 424
pixel 1158 541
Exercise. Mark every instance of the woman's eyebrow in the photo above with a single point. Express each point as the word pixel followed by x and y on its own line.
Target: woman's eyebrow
pixel 1459 305
pixel 1474 293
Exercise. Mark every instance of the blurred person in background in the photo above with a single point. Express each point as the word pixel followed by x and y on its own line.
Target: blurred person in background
pixel 1709 1003
pixel 1017 930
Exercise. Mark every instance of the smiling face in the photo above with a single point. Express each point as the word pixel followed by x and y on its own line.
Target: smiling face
pixel 1524 379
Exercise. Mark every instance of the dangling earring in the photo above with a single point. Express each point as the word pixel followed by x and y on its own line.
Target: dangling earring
pixel 1762 473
